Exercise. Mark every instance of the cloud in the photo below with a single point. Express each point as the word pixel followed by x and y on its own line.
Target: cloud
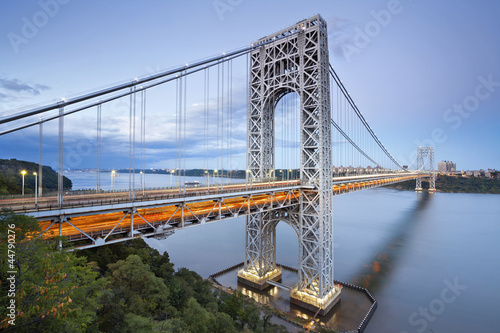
pixel 18 86
pixel 340 34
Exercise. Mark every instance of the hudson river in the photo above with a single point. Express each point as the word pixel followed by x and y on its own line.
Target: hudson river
pixel 432 260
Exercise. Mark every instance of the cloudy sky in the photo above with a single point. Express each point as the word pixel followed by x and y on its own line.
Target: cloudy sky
pixel 422 72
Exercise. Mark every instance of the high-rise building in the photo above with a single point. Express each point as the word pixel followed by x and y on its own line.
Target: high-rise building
pixel 447 166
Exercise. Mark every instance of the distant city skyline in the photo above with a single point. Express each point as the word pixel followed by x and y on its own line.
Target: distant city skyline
pixel 422 73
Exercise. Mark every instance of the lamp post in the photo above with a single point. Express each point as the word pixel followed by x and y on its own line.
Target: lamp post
pixel 281 173
pixel 22 189
pixel 36 186
pixel 290 175
pixel 113 172
pixel 208 178
pixel 270 175
pixel 142 182
pixel 171 174
pixel 247 173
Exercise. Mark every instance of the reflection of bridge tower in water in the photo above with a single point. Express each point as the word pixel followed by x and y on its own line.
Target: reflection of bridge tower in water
pixel 298 63
pixel 424 155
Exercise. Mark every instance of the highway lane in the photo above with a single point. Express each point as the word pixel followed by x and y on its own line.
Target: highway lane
pixel 102 224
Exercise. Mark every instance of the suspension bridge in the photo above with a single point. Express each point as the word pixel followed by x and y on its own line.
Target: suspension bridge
pixel 300 119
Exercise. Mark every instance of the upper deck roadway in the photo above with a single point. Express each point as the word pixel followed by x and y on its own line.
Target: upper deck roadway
pixel 98 216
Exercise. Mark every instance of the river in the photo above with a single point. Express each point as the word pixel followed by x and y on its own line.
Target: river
pixel 432 260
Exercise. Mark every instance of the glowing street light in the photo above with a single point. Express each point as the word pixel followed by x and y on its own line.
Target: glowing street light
pixel 22 189
pixel 171 174
pixel 208 178
pixel 142 182
pixel 247 174
pixel 36 186
pixel 270 176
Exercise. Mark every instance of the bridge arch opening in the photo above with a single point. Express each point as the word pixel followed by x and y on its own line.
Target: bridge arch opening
pixel 285 110
pixel 286 231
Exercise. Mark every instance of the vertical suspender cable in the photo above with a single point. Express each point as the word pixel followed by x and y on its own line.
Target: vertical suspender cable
pixel 98 150
pixel 143 140
pixel 60 159
pixel 40 165
pixel 184 132
pixel 177 129
pixel 222 121
pixel 230 108
pixel 218 121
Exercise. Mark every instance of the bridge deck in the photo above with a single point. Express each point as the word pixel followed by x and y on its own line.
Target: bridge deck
pixel 97 216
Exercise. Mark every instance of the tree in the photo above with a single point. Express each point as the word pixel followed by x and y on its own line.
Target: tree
pixel 54 290
pixel 196 317
pixel 222 323
pixel 137 289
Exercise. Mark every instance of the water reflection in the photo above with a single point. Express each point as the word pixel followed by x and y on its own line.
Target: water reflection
pixel 374 274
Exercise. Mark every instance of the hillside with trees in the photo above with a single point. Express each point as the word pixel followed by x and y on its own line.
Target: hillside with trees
pixel 124 287
pixel 456 184
pixel 11 178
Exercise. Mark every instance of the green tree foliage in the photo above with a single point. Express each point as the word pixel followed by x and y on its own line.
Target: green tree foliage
pixel 11 178
pixel 456 184
pixel 125 287
pixel 56 291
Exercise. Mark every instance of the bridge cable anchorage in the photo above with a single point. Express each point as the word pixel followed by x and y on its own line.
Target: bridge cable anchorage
pixel 360 116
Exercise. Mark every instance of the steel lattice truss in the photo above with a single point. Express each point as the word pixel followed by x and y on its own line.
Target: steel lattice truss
pixel 425 154
pixel 298 63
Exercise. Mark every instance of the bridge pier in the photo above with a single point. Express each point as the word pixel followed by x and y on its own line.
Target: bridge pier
pixel 252 279
pixel 313 303
pixel 295 64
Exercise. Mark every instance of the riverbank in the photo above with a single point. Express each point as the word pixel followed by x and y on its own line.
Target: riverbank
pixel 456 184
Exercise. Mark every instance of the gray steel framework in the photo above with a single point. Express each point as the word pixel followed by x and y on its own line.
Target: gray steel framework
pixel 298 63
pixel 425 154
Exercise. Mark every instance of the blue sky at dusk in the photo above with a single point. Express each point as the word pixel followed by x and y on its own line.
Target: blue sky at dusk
pixel 422 72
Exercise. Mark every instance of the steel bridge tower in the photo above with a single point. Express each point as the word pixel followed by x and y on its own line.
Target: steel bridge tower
pixel 296 63
pixel 425 154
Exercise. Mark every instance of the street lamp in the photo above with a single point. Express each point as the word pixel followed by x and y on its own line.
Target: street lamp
pixel 247 173
pixel 112 178
pixel 142 182
pixel 171 174
pixel 270 173
pixel 36 185
pixel 22 189
pixel 208 178
pixel 281 173
pixel 290 175
pixel 215 175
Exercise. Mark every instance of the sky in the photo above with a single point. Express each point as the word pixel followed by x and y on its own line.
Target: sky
pixel 422 72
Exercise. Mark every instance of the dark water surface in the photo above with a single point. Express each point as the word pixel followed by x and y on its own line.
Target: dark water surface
pixel 431 260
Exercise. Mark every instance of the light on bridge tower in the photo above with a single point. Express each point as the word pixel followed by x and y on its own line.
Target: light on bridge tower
pixel 295 60
pixel 424 155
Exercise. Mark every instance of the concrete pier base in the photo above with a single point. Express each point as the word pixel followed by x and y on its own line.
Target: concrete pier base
pixel 256 282
pixel 313 304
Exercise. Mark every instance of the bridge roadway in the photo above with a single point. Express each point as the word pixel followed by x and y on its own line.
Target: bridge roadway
pixel 96 217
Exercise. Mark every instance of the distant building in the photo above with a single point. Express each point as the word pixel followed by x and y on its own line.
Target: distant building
pixel 447 166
